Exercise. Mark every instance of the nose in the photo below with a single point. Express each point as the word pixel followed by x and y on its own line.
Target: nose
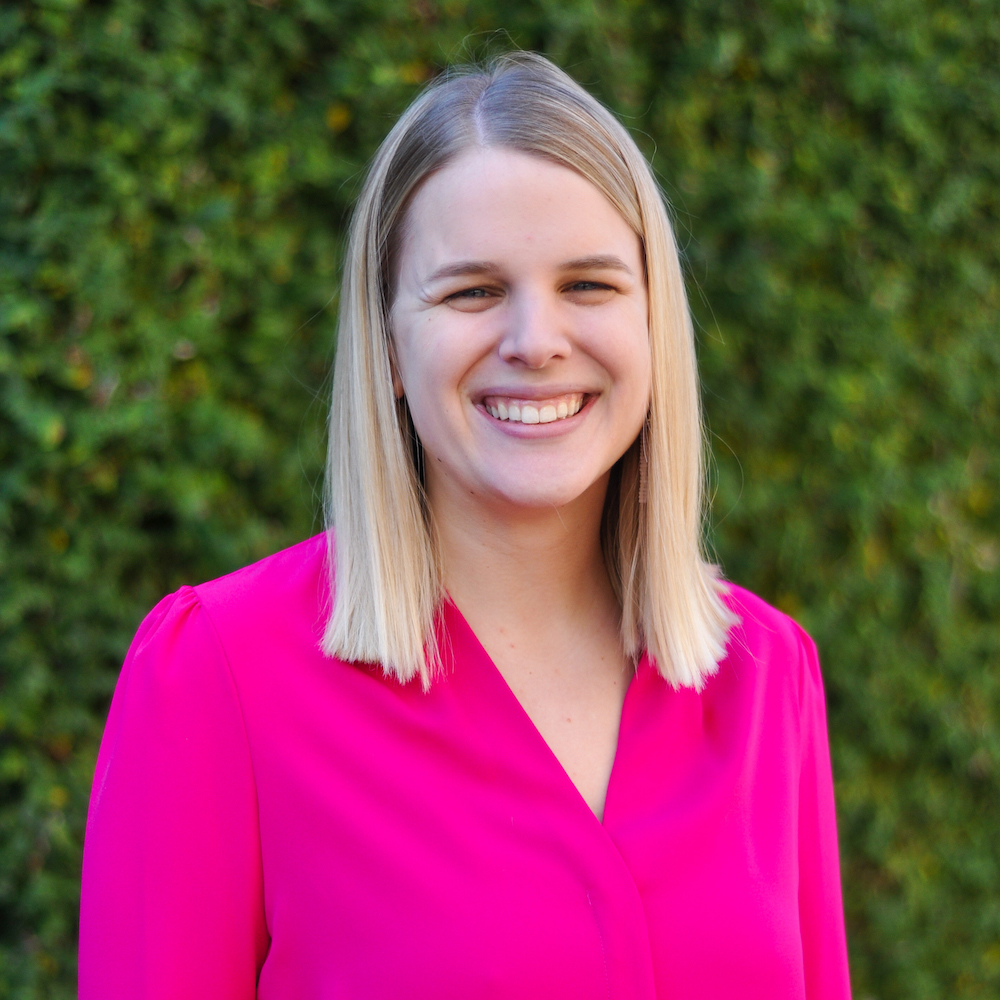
pixel 536 331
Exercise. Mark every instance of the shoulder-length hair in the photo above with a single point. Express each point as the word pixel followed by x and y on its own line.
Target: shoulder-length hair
pixel 385 566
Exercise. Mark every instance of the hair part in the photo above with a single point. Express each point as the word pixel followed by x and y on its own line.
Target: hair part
pixel 387 582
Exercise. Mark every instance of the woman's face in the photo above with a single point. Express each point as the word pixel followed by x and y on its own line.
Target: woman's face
pixel 520 331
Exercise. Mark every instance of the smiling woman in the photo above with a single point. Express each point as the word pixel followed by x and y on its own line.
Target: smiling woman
pixel 522 117
pixel 501 731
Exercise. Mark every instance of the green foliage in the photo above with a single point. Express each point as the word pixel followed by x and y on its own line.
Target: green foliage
pixel 174 184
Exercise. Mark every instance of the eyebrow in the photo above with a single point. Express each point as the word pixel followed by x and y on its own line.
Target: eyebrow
pixel 603 262
pixel 465 268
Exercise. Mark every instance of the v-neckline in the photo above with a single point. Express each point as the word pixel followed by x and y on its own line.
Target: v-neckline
pixel 459 620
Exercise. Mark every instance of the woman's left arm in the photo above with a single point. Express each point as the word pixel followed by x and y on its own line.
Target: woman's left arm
pixel 821 909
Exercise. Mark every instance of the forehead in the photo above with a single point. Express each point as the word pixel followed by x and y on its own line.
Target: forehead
pixel 490 202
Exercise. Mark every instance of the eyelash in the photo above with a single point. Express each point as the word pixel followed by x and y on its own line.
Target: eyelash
pixel 480 292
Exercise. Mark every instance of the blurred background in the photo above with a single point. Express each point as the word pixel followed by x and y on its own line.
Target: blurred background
pixel 175 181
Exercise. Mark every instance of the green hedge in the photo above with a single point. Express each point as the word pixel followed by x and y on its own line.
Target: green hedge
pixel 174 183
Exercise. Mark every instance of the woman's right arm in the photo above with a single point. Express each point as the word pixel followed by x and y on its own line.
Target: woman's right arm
pixel 173 900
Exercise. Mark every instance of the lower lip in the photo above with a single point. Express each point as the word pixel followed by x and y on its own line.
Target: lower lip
pixel 514 428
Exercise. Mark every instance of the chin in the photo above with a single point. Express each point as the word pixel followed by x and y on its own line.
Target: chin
pixel 539 494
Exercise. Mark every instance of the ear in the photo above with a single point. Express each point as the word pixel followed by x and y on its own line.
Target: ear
pixel 397 382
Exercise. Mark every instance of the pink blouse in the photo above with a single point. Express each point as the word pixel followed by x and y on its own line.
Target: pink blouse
pixel 268 822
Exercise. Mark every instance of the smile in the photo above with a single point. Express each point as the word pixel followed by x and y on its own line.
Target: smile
pixel 533 411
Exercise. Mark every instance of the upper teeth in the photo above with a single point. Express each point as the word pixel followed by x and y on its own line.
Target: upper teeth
pixel 534 411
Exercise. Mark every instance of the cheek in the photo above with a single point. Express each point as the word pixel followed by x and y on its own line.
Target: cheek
pixel 624 353
pixel 414 362
pixel 636 351
pixel 636 388
pixel 630 368
pixel 636 362
pixel 436 354
pixel 430 379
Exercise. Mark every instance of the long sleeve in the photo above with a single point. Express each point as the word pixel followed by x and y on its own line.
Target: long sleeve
pixel 821 911
pixel 172 899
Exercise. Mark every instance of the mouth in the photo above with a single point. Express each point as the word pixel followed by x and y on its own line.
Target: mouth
pixel 534 411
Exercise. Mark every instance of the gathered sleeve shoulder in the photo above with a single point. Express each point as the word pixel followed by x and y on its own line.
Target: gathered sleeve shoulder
pixel 172 899
pixel 821 911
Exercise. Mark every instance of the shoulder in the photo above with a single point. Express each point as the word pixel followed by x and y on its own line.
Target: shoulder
pixel 271 614
pixel 275 602
pixel 760 625
pixel 288 585
pixel 770 647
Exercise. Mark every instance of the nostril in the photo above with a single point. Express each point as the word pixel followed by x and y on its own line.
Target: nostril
pixel 536 343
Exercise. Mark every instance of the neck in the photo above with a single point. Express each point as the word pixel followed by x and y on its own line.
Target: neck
pixel 531 565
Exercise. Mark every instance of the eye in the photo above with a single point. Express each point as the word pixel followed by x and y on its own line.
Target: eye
pixel 473 299
pixel 590 292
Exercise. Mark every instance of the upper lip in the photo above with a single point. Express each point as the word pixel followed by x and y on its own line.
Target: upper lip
pixel 531 392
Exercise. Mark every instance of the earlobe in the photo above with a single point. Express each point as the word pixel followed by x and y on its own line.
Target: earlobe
pixel 397 382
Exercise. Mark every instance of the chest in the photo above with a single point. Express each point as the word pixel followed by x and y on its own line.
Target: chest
pixel 434 846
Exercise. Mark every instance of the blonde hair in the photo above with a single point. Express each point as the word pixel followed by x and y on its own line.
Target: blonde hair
pixel 386 572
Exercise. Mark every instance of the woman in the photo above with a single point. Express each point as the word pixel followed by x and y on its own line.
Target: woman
pixel 507 735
